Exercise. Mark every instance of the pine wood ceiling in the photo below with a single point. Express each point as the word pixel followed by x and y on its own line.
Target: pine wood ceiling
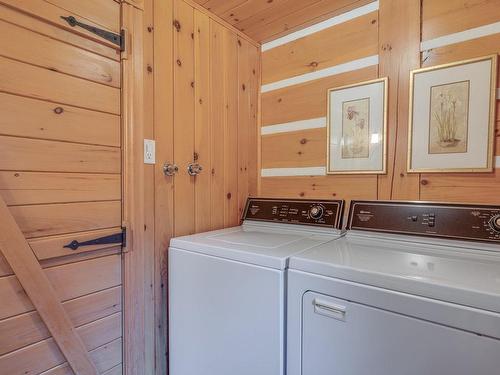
pixel 264 20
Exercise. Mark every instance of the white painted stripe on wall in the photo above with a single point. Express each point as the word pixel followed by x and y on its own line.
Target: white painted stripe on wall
pixel 358 12
pixel 333 70
pixel 292 172
pixel 293 126
pixel 462 36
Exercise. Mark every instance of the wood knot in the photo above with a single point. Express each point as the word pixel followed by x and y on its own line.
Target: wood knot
pixel 196 156
pixel 239 42
pixel 424 182
pixel 192 84
pixel 150 29
pixel 243 87
pixel 150 68
pixel 58 110
pixel 303 141
pixel 177 25
pixel 302 194
pixel 228 195
pixel 314 64
pixel 179 62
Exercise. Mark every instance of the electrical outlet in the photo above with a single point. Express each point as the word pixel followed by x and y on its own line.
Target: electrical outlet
pixel 149 151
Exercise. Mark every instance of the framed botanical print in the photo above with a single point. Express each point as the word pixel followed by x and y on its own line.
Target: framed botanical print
pixel 452 117
pixel 357 127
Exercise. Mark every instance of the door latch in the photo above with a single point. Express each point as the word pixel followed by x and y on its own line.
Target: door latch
pixel 117 238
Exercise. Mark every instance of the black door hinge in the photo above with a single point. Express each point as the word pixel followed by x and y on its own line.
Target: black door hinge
pixel 118 39
pixel 117 238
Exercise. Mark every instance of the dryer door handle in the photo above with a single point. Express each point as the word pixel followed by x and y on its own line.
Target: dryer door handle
pixel 330 309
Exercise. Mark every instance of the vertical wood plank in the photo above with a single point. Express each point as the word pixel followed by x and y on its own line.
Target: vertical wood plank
pixel 133 192
pixel 164 193
pixel 244 121
pixel 149 195
pixel 184 118
pixel 254 139
pixel 231 217
pixel 202 121
pixel 218 123
pixel 399 52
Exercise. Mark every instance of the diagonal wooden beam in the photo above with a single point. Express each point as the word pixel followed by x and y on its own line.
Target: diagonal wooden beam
pixel 37 286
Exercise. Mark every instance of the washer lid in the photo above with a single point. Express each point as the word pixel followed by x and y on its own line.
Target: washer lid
pixel 443 271
pixel 267 245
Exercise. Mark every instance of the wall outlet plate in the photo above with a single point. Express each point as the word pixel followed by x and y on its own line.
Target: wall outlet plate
pixel 149 151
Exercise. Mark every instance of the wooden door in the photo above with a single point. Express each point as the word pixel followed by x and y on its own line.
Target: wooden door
pixel 60 181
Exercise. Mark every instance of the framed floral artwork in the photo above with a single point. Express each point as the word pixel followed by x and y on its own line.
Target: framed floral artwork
pixel 357 127
pixel 452 117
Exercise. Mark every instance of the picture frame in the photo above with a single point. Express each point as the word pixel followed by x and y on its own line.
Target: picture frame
pixel 357 128
pixel 451 127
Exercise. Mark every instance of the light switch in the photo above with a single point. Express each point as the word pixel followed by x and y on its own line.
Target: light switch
pixel 149 151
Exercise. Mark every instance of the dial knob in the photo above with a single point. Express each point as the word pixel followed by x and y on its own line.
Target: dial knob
pixel 316 212
pixel 495 223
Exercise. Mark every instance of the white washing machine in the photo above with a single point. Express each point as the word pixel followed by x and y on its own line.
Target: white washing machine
pixel 412 289
pixel 227 287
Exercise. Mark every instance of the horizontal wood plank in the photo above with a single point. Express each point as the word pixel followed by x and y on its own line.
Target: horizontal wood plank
pixel 57 56
pixel 53 247
pixel 57 33
pixel 336 45
pixel 463 188
pixel 320 187
pixel 32 81
pixel 107 359
pixel 308 100
pixel 488 45
pixel 103 12
pixel 451 16
pixel 54 219
pixel 45 354
pixel 25 188
pixel 5 269
pixel 69 281
pixel 45 120
pixel 17 154
pixel 29 328
pixel 51 13
pixel 306 148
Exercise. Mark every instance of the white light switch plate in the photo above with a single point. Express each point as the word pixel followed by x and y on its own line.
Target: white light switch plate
pixel 149 151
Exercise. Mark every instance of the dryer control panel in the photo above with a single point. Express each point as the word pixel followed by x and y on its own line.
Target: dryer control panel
pixel 455 221
pixel 321 213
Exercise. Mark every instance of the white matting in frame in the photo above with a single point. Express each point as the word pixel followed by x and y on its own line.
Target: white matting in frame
pixel 357 127
pixel 452 117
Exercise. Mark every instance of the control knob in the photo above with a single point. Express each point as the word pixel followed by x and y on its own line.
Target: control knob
pixel 316 212
pixel 495 223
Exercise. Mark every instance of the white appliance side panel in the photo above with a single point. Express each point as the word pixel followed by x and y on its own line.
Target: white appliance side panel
pixel 344 337
pixel 225 317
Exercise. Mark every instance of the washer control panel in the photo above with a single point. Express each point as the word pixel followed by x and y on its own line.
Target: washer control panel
pixel 322 213
pixel 456 221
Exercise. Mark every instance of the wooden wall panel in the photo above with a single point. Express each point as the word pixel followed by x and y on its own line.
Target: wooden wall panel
pixel 307 100
pixel 231 214
pixel 396 39
pixel 218 122
pixel 184 117
pixel 348 41
pixel 305 148
pixel 451 16
pixel 203 146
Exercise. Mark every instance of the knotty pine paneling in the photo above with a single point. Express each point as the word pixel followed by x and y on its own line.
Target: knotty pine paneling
pixel 346 42
pixel 397 40
pixel 264 20
pixel 443 17
pixel 307 100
